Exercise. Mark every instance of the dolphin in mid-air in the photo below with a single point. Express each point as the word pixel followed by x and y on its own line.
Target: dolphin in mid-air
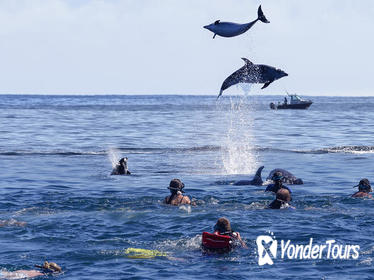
pixel 253 74
pixel 230 29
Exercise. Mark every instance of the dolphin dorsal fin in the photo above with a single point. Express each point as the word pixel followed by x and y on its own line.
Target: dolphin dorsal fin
pixel 247 61
pixel 217 22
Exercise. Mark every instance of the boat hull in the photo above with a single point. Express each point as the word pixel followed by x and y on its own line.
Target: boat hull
pixel 299 106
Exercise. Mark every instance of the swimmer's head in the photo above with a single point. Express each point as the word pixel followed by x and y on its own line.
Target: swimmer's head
pixel 50 267
pixel 277 177
pixel 364 186
pixel 176 186
pixel 284 195
pixel 222 225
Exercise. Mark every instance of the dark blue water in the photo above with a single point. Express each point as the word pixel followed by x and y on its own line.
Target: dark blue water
pixel 55 158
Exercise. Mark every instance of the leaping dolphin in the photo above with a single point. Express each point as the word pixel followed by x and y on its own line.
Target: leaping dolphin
pixel 253 73
pixel 230 29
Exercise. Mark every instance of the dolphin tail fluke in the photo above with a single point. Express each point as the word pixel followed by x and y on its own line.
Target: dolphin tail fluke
pixel 220 93
pixel 261 15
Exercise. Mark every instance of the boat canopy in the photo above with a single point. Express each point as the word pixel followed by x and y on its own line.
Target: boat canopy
pixel 295 99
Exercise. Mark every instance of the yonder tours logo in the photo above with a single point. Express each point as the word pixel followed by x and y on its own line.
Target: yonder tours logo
pixel 267 249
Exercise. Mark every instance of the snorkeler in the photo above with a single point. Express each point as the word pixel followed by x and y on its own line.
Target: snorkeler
pixel 278 184
pixel 364 189
pixel 223 227
pixel 48 268
pixel 121 168
pixel 282 200
pixel 176 197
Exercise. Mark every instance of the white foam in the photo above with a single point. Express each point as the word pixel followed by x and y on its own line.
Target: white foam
pixel 113 155
pixel 186 208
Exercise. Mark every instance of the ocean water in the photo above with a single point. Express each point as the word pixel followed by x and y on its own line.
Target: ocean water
pixel 56 154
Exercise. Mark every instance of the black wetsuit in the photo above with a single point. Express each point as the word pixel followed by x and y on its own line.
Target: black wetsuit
pixel 275 204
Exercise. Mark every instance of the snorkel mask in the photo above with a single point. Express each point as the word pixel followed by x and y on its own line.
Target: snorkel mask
pixel 364 186
pixel 176 186
pixel 277 177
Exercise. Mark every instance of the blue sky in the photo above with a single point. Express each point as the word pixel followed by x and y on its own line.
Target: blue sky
pixel 160 47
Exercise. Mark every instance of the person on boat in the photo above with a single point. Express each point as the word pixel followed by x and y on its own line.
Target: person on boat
pixel 176 196
pixel 223 227
pixel 278 183
pixel 282 200
pixel 121 167
pixel 285 101
pixel 47 269
pixel 364 189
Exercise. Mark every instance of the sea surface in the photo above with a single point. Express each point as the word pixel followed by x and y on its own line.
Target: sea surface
pixel 58 201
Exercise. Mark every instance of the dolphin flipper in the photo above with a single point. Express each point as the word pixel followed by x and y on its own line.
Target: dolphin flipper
pixel 214 36
pixel 266 84
pixel 261 15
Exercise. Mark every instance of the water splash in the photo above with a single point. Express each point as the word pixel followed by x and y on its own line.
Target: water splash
pixel 238 153
pixel 113 155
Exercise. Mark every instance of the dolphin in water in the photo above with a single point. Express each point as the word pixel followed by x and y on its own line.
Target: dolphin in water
pixel 288 178
pixel 121 167
pixel 253 73
pixel 256 181
pixel 230 29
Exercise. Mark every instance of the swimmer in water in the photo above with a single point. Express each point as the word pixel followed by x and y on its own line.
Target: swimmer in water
pixel 48 268
pixel 282 200
pixel 176 197
pixel 364 189
pixel 278 184
pixel 223 227
pixel 121 168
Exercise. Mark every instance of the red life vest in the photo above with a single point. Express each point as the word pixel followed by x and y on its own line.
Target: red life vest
pixel 216 241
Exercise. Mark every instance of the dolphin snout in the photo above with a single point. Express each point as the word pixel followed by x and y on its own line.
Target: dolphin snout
pixel 206 26
pixel 284 74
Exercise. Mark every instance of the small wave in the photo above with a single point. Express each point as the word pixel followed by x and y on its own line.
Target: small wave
pixel 12 222
pixel 257 205
pixel 48 153
pixel 118 150
pixel 367 261
pixel 351 149
pixel 176 150
pixel 338 149
pixel 35 211
pixel 193 243
pixel 186 208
